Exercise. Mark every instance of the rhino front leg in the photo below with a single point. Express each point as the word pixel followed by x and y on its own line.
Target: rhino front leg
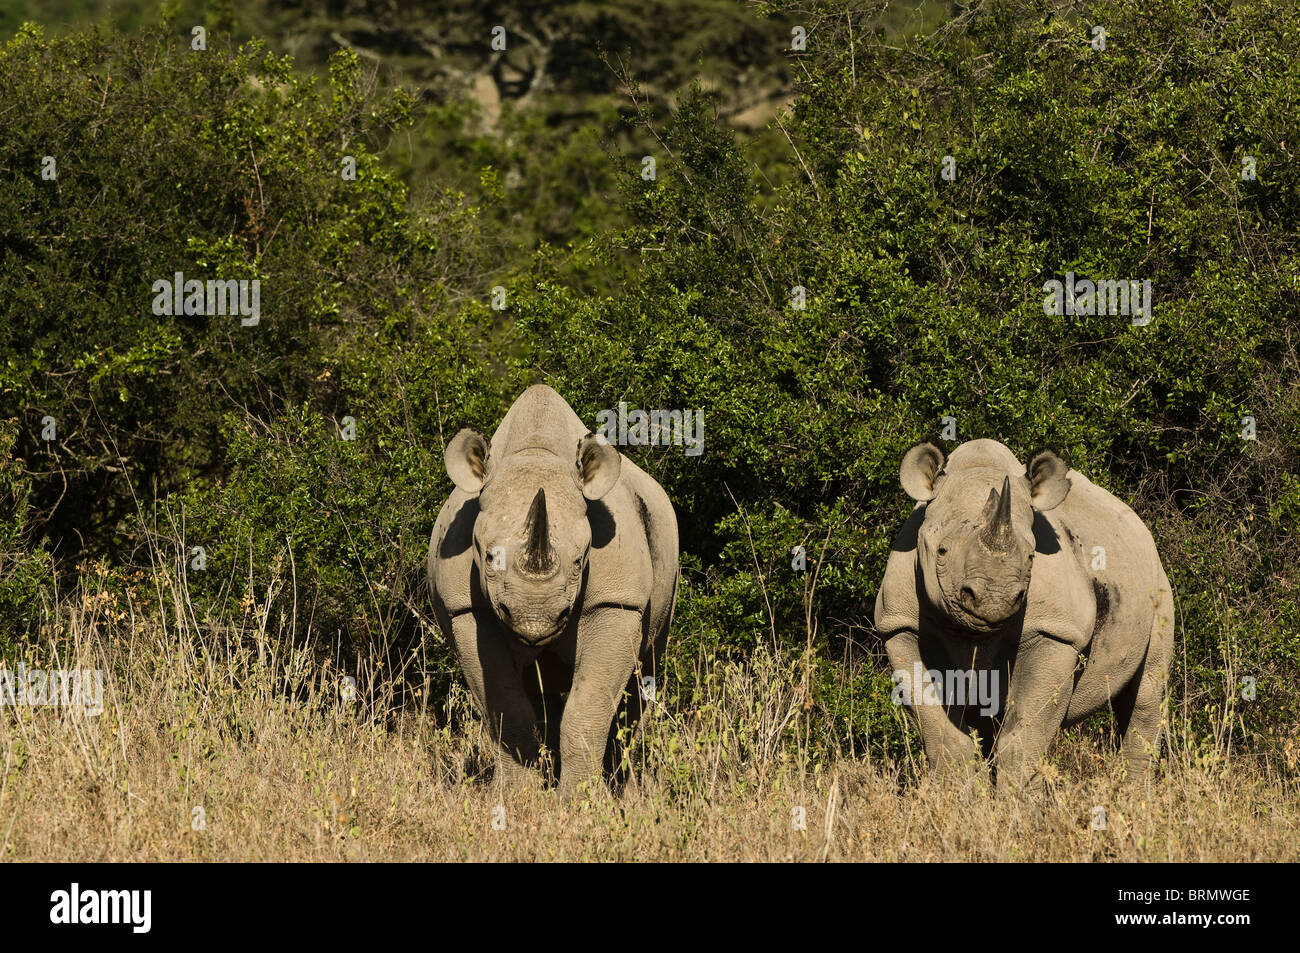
pixel 1042 682
pixel 609 641
pixel 498 691
pixel 946 745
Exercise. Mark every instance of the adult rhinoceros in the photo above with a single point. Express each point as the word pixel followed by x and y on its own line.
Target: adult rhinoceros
pixel 1020 599
pixel 553 569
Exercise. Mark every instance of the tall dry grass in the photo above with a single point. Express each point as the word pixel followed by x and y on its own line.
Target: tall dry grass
pixel 223 747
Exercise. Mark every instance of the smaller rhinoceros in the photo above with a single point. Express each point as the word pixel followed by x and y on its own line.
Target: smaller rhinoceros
pixel 553 570
pixel 1020 599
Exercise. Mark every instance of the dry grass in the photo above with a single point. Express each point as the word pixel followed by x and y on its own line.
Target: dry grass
pixel 284 770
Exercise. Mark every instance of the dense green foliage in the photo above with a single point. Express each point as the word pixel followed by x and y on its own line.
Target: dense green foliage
pixel 923 300
pixel 26 569
pixel 214 166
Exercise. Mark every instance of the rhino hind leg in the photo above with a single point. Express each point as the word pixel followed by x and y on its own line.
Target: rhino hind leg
pixel 546 683
pixel 621 731
pixel 1140 707
pixel 548 708
pixel 1137 709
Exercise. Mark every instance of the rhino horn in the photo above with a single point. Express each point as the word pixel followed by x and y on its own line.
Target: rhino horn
pixel 538 557
pixel 998 534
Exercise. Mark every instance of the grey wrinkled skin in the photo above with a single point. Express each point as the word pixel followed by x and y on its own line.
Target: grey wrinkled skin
pixel 994 571
pixel 553 569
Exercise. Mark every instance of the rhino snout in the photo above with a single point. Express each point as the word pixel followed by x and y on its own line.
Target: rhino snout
pixel 978 597
pixel 533 627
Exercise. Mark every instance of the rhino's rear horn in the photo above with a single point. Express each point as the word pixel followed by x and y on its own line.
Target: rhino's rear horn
pixel 998 534
pixel 538 557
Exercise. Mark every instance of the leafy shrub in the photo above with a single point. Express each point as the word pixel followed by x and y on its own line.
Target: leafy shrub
pixel 26 569
pixel 924 300
pixel 218 165
pixel 923 294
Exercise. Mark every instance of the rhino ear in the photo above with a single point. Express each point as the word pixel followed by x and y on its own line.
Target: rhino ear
pixel 921 465
pixel 466 458
pixel 598 466
pixel 1048 484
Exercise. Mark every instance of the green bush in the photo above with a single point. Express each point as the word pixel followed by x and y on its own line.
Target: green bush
pixel 219 165
pixel 26 568
pixel 327 515
pixel 924 300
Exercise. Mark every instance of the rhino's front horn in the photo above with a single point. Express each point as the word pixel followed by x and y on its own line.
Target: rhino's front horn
pixel 998 534
pixel 538 557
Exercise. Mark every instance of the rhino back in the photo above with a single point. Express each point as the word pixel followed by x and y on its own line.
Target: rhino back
pixel 539 419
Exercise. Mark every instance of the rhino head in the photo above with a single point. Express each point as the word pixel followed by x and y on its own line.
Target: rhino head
pixel 976 542
pixel 531 534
